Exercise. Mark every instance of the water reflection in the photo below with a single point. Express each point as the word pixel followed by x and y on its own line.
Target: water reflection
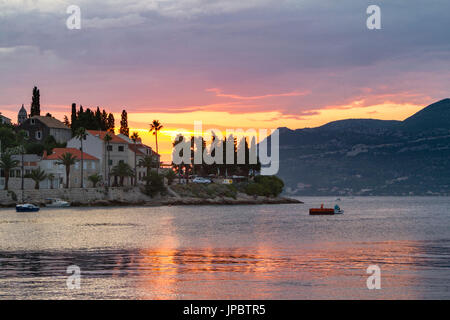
pixel 333 270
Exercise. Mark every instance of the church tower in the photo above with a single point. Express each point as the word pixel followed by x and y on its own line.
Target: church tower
pixel 22 115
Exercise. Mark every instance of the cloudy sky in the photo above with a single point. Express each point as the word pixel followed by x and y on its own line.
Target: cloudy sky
pixel 229 63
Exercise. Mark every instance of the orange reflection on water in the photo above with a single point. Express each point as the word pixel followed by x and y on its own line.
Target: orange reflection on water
pixel 265 272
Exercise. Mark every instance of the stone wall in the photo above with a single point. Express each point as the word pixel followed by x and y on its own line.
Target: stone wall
pixel 75 195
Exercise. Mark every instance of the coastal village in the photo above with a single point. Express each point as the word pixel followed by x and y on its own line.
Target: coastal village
pixel 85 160
pixel 104 152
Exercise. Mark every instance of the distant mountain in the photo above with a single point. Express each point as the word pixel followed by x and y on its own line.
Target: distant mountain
pixel 370 157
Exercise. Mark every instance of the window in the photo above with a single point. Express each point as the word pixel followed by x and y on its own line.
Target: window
pixel 93 165
pixel 39 135
pixel 110 162
pixel 109 148
pixel 27 134
pixel 121 148
pixel 84 165
pixel 120 161
pixel 32 121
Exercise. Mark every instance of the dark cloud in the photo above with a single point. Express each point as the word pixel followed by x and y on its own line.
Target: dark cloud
pixel 167 53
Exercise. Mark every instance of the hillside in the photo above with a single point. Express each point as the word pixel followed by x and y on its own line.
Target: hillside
pixel 370 157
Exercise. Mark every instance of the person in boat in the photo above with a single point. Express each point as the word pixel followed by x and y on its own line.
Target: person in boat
pixel 337 208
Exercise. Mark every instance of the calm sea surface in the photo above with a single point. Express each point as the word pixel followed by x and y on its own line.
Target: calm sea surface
pixel 230 252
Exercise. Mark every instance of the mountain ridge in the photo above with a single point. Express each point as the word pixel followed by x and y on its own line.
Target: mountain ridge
pixel 370 156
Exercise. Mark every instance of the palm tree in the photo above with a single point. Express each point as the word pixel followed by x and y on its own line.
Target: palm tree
pixel 122 170
pixel 147 162
pixel 95 178
pixel 81 135
pixel 7 163
pixel 107 138
pixel 135 137
pixel 67 159
pixel 37 175
pixel 155 127
pixel 51 177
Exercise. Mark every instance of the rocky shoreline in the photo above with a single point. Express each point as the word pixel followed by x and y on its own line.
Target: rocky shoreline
pixel 172 201
pixel 99 197
pixel 189 201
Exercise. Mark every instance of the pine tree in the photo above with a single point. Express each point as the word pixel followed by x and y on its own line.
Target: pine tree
pixel 124 124
pixel 35 109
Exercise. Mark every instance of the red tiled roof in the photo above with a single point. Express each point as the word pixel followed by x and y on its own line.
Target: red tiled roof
pixel 57 152
pixel 102 134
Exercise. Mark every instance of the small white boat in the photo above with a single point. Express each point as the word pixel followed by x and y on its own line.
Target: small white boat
pixel 57 203
pixel 27 207
pixel 338 210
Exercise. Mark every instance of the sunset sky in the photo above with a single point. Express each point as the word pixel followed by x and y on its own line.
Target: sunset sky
pixel 229 63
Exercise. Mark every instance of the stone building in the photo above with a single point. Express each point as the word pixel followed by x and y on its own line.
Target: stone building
pixel 38 128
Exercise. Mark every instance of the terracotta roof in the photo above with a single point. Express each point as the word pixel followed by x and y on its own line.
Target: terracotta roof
pixel 57 152
pixel 51 122
pixel 102 134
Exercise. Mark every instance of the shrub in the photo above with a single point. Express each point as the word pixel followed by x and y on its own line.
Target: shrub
pixel 170 175
pixel 265 186
pixel 155 184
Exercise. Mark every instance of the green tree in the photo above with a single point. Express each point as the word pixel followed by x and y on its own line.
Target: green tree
pixel 155 127
pixel 7 163
pixel 95 178
pixel 122 170
pixel 147 162
pixel 135 137
pixel 111 123
pixel 67 159
pixel 35 103
pixel 37 175
pixel 74 118
pixel 124 124
pixel 154 184
pixel 81 135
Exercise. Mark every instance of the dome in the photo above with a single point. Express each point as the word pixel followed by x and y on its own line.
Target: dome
pixel 23 111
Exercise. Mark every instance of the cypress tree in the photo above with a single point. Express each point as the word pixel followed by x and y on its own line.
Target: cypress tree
pixel 124 124
pixel 73 118
pixel 35 109
pixel 111 123
pixel 104 121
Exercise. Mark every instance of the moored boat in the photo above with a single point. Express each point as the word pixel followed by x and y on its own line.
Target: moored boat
pixel 325 211
pixel 27 207
pixel 56 203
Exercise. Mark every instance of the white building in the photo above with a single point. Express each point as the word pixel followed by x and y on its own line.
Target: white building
pixel 95 145
pixel 141 150
pixel 50 164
